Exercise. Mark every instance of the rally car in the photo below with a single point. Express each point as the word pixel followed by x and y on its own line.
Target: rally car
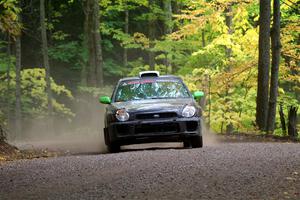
pixel 152 108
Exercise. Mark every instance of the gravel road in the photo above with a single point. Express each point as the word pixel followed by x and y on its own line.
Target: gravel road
pixel 222 171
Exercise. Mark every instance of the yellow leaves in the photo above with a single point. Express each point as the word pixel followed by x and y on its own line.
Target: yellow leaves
pixel 198 72
pixel 290 49
pixel 249 41
pixel 232 93
pixel 192 82
pixel 224 39
pixel 9 17
pixel 141 39
pixel 189 29
pixel 61 90
pixel 281 91
pixel 192 87
pixel 285 72
pixel 240 19
pixel 289 5
pixel 61 108
pixel 243 42
pixel 34 97
pixel 200 15
pixel 289 69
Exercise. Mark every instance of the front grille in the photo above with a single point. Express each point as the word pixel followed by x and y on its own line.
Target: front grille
pixel 156 115
pixel 123 129
pixel 157 128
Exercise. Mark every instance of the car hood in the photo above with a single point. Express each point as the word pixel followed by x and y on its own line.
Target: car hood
pixel 154 105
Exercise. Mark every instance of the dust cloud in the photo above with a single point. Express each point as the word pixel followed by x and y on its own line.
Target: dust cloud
pixel 210 138
pixel 81 134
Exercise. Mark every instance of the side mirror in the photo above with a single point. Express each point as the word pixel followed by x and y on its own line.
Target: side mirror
pixel 198 94
pixel 105 100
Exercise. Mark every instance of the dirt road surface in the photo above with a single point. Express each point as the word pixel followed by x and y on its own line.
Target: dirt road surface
pixel 221 171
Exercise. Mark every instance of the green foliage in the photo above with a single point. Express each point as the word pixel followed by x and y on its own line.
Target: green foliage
pixel 69 52
pixel 137 66
pixel 111 68
pixel 97 92
pixel 5 60
pixel 34 97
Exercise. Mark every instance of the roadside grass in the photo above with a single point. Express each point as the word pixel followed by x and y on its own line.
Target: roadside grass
pixel 10 153
pixel 257 137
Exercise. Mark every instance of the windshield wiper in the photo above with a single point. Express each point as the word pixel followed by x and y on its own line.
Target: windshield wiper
pixel 161 98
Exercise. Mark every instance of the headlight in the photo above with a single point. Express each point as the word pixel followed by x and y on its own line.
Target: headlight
pixel 188 111
pixel 122 115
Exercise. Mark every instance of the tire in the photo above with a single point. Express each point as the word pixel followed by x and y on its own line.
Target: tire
pixel 113 148
pixel 197 142
pixel 187 144
pixel 106 137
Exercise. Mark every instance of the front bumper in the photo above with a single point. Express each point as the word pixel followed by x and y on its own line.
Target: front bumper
pixel 141 131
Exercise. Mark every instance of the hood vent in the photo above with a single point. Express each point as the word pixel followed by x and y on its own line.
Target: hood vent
pixel 149 74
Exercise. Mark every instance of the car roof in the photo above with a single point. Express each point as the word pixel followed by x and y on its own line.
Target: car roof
pixel 141 78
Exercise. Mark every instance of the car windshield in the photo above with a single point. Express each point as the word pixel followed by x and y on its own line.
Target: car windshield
pixel 150 89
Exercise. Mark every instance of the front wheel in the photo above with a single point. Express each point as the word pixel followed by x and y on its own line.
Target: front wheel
pixel 197 142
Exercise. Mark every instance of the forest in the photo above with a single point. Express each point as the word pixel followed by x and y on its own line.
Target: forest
pixel 243 54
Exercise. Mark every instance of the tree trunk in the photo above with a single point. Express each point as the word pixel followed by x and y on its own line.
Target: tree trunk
pixel 91 45
pixel 95 60
pixel 84 70
pixel 18 89
pixel 209 100
pixel 167 27
pixel 48 15
pixel 203 38
pixel 292 124
pixel 7 103
pixel 228 51
pixel 98 46
pixel 275 41
pixel 263 65
pixel 228 21
pixel 126 30
pixel 151 24
pixel 46 59
pixel 282 120
pixel 151 53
